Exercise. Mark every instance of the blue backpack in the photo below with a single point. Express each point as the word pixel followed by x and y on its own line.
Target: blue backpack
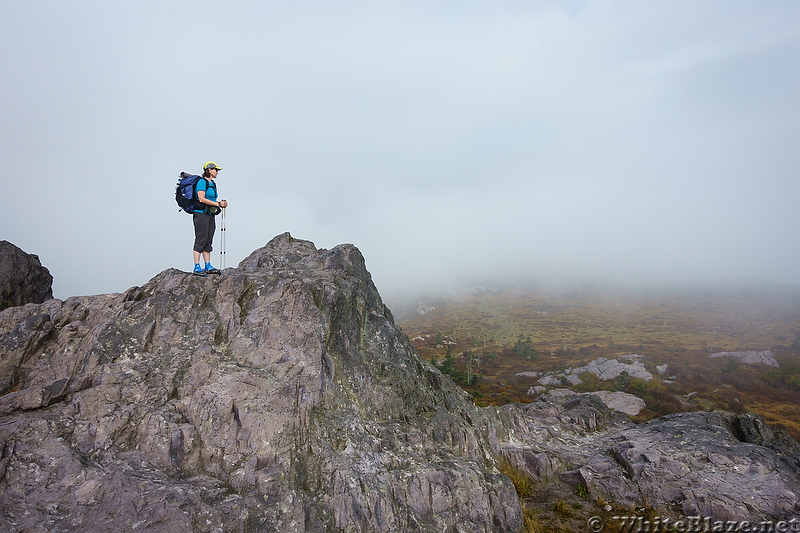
pixel 186 192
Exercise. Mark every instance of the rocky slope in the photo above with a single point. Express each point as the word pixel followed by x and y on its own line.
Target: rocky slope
pixel 281 396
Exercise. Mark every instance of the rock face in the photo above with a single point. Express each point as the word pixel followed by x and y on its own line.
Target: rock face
pixel 23 279
pixel 751 358
pixel 280 396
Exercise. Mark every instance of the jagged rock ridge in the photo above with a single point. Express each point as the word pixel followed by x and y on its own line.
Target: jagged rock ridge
pixel 281 396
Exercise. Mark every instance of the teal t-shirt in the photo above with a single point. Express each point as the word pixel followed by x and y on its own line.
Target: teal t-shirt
pixel 210 188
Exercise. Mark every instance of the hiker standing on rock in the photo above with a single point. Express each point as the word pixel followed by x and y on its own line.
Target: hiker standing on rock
pixel 204 225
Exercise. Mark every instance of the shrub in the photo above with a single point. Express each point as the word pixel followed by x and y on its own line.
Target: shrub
pixel 622 381
pixel 637 386
pixel 788 376
pixel 529 520
pixel 589 383
pixel 561 507
pixel 663 402
pixel 582 491
pixel 523 483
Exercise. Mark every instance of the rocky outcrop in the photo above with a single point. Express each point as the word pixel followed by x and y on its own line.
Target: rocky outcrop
pixel 608 369
pixel 23 279
pixel 605 369
pixel 616 400
pixel 751 357
pixel 687 464
pixel 695 464
pixel 280 396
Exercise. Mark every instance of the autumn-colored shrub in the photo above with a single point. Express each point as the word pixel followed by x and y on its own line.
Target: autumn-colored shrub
pixel 589 383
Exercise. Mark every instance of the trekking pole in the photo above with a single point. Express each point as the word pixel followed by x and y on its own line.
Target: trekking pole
pixel 222 241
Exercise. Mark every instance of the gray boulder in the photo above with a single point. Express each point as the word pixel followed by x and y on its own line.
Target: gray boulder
pixel 616 400
pixel 23 279
pixel 621 401
pixel 765 357
pixel 608 369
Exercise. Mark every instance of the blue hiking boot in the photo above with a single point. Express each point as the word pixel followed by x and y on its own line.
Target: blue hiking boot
pixel 198 271
pixel 211 270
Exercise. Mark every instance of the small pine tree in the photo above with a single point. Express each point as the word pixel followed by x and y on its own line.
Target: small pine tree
pixel 448 365
pixel 525 349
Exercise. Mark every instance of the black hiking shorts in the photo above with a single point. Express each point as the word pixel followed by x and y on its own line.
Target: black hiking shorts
pixel 204 227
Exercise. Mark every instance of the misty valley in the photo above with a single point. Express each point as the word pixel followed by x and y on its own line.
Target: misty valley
pixel 675 350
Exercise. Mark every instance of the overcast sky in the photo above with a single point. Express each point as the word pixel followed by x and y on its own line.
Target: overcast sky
pixel 651 142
